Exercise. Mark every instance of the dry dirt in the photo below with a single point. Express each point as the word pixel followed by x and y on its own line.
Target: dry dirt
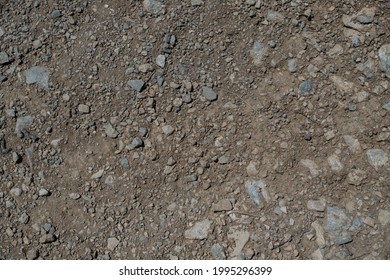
pixel 264 135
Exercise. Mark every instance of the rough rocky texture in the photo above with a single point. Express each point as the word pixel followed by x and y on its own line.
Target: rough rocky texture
pixel 161 129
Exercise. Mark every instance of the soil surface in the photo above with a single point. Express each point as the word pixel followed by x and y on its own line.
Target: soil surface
pixel 198 129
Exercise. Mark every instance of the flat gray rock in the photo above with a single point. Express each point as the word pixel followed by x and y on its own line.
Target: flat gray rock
pixel 110 130
pixel 336 220
pixel 384 58
pixel 257 52
pixel 199 231
pixel 160 60
pixel 137 85
pixel 317 205
pixel 153 6
pixel 306 86
pixel 209 94
pixel 377 158
pixel 218 252
pixel 384 217
pixel 38 75
pixel 4 59
pixel 253 188
pixel 23 122
pixel 112 243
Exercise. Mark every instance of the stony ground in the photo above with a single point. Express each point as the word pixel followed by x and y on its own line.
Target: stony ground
pixel 194 129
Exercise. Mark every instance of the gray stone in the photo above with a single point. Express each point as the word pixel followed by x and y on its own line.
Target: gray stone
pixel 252 188
pixel 74 196
pixel 38 75
pixel 4 59
pixel 124 162
pixel 377 158
pixel 335 163
pixel 352 143
pixel 137 85
pixel 23 122
pixel 218 252
pixel 145 68
pixel 10 113
pixel 356 224
pixel 317 205
pixel 199 230
pixel 258 52
pixel 292 65
pixel 336 220
pixel 306 86
pixel 384 58
pixel 84 109
pixel 341 240
pixel 136 143
pixel 43 192
pixel 209 94
pixel 97 175
pixel 386 106
pixel 168 129
pixel 24 218
pixel 223 160
pixel 274 16
pixel 312 166
pixel 112 243
pixel 356 176
pixel 37 44
pixel 384 217
pixel 153 6
pixel 320 234
pixel 47 238
pixel 16 157
pixel 16 191
pixel 196 2
pixel 240 238
pixel 383 136
pixel 160 60
pixel 109 181
pixel 32 254
pixel 56 14
pixel 317 254
pixel 110 130
pixel 222 205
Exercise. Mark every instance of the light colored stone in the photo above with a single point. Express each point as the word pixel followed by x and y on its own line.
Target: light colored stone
pixel 160 60
pixel 316 205
pixel 312 166
pixel 334 163
pixel 112 243
pixel 84 109
pixel 251 169
pixel 199 231
pixel 352 143
pixel 222 205
pixel 240 238
pixel 384 217
pixel 377 158
pixel 356 176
